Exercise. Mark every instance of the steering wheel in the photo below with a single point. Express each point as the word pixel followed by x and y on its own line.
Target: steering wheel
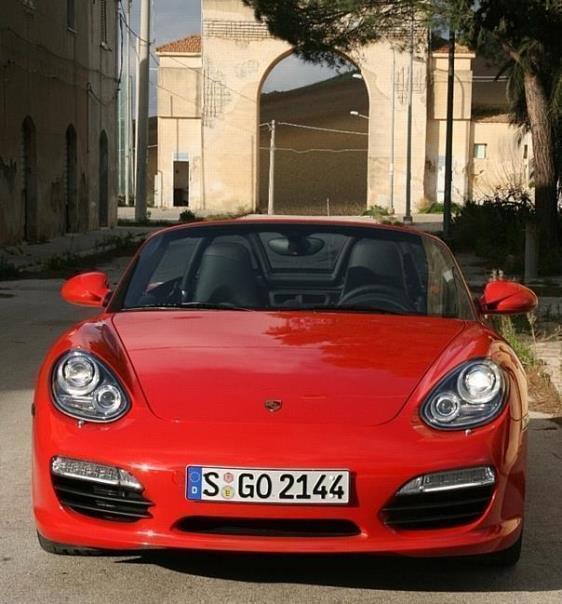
pixel 379 296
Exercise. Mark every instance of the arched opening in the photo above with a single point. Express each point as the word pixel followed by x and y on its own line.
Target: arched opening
pixel 71 214
pixel 320 144
pixel 103 180
pixel 29 184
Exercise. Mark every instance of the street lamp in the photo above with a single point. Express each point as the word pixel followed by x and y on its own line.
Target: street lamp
pixel 357 114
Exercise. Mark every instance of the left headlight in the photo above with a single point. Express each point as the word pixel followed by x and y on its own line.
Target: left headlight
pixel 471 395
pixel 84 388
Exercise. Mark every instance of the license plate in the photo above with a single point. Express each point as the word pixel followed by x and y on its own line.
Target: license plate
pixel 267 486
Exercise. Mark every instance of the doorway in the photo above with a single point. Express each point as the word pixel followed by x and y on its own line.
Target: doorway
pixel 29 191
pixel 71 215
pixel 181 183
pixel 103 205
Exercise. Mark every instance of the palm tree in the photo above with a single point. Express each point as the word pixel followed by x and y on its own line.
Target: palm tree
pixel 519 111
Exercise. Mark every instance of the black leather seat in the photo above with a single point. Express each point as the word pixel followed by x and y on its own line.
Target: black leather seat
pixel 374 263
pixel 226 276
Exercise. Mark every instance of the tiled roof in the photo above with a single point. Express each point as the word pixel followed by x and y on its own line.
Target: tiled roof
pixel 190 45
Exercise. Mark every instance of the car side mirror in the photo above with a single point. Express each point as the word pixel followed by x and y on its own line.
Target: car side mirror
pixel 87 289
pixel 507 298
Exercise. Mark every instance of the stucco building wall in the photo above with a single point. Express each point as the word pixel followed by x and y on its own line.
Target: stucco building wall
pixel 212 116
pixel 179 125
pixel 508 157
pixel 56 74
pixel 437 127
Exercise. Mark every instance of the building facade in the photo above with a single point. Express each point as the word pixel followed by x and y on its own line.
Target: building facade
pixel 179 177
pixel 213 155
pixel 58 117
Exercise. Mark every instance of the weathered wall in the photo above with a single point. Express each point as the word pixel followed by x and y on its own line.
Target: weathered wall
pixel 505 164
pixel 57 76
pixel 437 127
pixel 179 124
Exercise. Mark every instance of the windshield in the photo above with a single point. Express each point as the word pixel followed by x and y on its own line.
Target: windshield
pixel 295 267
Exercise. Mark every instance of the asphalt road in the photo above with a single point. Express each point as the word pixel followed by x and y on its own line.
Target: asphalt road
pixel 31 316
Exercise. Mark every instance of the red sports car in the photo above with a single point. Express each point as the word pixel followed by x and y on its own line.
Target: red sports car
pixel 284 386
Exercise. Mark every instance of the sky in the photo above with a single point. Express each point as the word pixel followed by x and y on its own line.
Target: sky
pixel 174 19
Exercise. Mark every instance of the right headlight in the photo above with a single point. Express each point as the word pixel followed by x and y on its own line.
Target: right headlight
pixel 84 388
pixel 471 395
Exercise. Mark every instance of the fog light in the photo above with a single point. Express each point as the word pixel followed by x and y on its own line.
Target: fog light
pixel 448 481
pixel 94 472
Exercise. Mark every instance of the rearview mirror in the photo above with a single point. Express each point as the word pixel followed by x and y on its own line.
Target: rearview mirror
pixel 507 298
pixel 87 289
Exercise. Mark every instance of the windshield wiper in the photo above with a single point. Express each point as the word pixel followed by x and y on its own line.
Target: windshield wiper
pixel 210 306
pixel 193 305
pixel 355 308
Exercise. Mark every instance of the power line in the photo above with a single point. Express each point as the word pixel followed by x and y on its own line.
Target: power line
pixel 319 129
pixel 305 151
pixel 130 28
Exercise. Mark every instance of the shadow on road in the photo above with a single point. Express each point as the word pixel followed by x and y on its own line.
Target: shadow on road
pixel 364 572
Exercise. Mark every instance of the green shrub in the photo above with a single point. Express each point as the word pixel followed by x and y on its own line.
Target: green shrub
pixel 187 216
pixel 517 332
pixel 67 260
pixel 376 212
pixel 439 208
pixel 495 228
pixel 8 270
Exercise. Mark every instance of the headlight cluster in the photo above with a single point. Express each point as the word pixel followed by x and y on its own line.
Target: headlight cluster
pixel 471 395
pixel 83 387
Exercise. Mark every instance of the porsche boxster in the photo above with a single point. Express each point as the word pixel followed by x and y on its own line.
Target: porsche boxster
pixel 278 385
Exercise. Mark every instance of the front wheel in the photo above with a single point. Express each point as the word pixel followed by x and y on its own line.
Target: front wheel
pixel 60 549
pixel 506 558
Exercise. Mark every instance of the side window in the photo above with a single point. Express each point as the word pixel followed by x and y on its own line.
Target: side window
pixel 70 14
pixel 446 295
pixel 103 21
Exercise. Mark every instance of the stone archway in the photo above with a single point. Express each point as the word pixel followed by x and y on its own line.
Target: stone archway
pixel 320 168
pixel 238 53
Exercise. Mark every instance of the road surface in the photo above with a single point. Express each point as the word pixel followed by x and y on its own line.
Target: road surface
pixel 31 316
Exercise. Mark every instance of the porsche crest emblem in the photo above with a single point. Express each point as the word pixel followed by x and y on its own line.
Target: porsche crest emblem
pixel 273 406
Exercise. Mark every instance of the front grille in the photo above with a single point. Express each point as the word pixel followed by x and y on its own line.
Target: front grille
pixel 265 527
pixel 107 502
pixel 440 509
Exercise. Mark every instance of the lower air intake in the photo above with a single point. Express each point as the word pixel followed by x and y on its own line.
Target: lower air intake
pixel 106 502
pixel 439 509
pixel 267 527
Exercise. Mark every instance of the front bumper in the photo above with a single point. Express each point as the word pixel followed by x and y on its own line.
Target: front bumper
pixel 381 459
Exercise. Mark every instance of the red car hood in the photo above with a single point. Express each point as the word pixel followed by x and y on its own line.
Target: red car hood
pixel 325 368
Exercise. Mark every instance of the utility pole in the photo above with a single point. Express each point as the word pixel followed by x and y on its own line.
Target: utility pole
pixel 127 77
pixel 271 198
pixel 142 111
pixel 447 205
pixel 392 133
pixel 408 215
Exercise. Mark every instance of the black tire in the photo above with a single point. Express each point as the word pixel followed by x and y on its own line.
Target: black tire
pixel 60 549
pixel 506 558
